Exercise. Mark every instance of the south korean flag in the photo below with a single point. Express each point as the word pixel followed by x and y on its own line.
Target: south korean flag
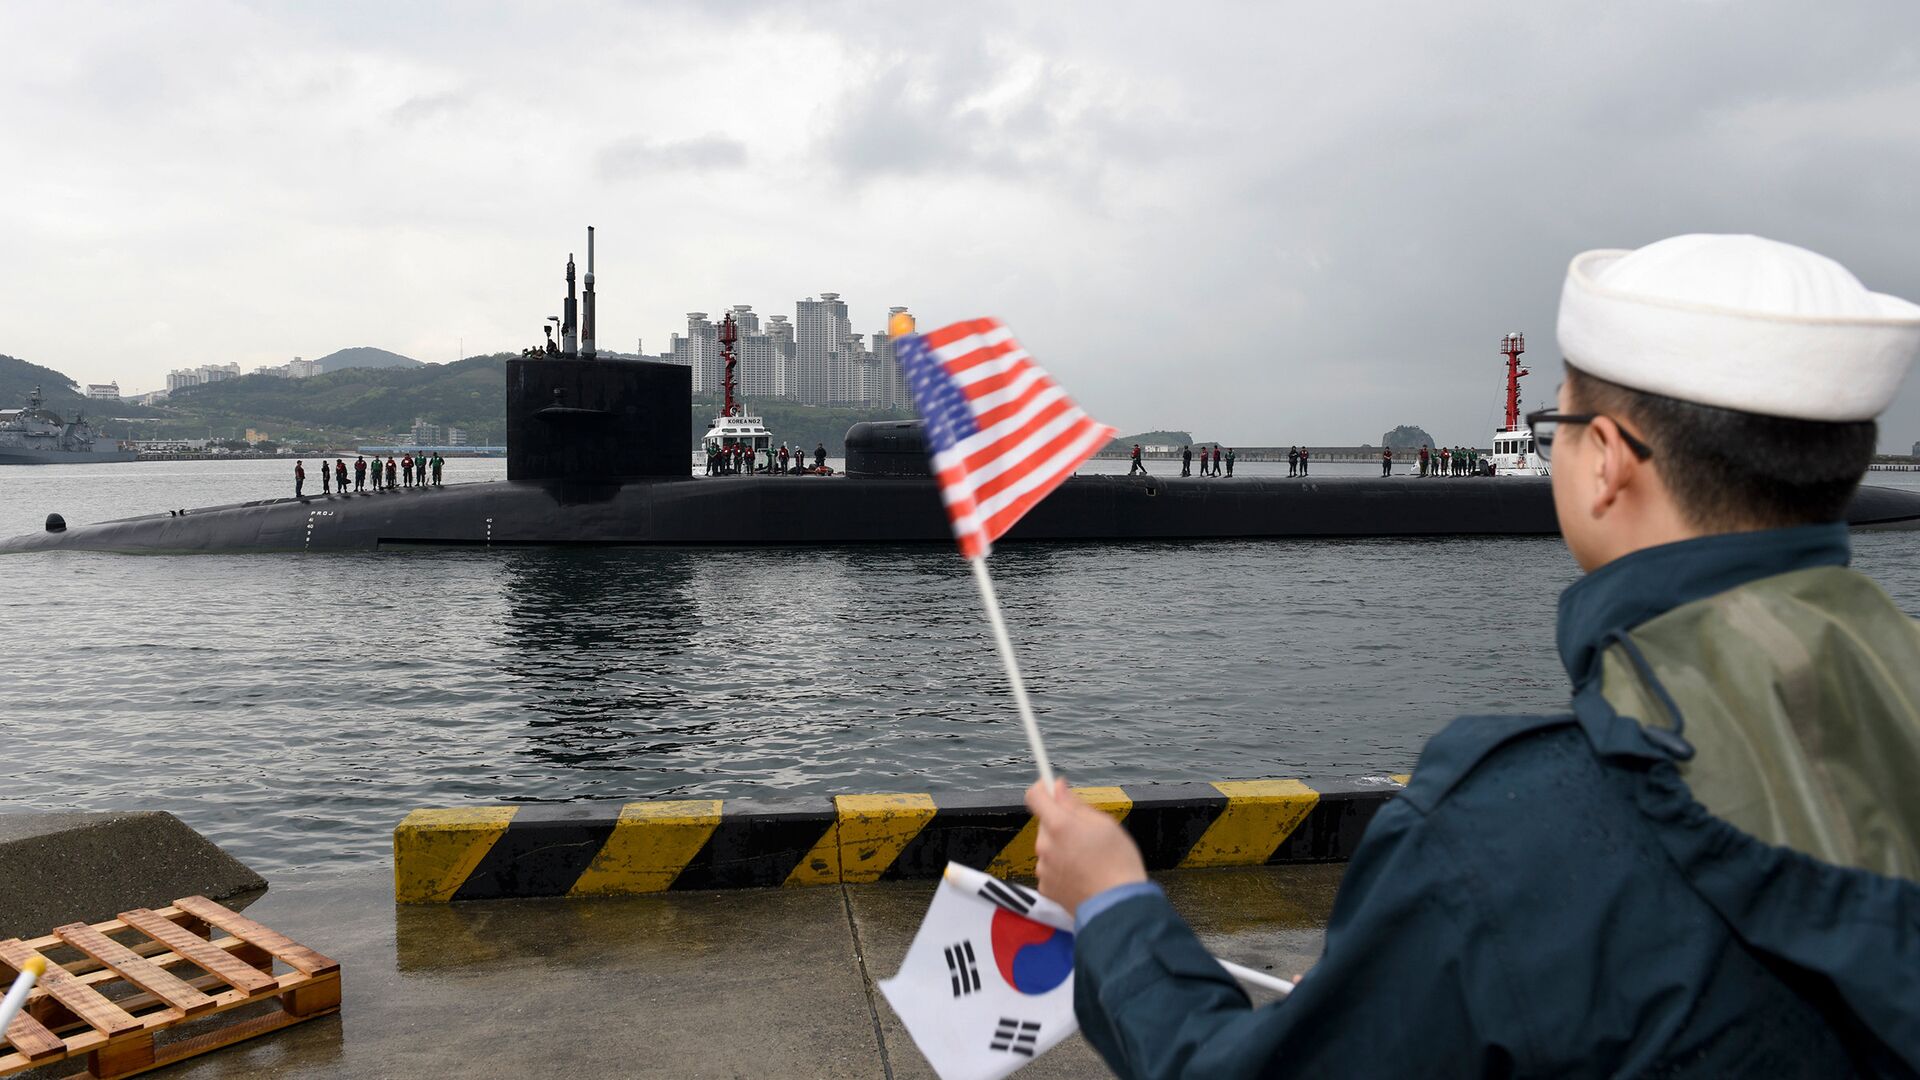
pixel 987 985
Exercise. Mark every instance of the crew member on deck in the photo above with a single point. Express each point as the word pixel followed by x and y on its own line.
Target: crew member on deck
pixel 438 464
pixel 340 474
pixel 393 469
pixel 783 457
pixel 1229 461
pixel 1186 460
pixel 299 477
pixel 1303 461
pixel 820 456
pixel 325 486
pixel 1386 461
pixel 360 473
pixel 1136 466
pixel 1709 864
pixel 406 470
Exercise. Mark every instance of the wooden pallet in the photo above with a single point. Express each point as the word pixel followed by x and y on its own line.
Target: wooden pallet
pixel 114 991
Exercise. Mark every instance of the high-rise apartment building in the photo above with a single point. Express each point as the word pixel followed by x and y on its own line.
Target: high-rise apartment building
pixel 780 332
pixel 815 359
pixel 820 334
pixel 699 350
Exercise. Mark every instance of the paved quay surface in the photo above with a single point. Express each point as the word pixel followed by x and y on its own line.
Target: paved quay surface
pixel 742 983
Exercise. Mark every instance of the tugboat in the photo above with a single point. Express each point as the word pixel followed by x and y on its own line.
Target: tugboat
pixel 36 435
pixel 1513 451
pixel 733 427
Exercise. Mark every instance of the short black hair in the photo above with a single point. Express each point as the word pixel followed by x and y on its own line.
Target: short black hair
pixel 1732 470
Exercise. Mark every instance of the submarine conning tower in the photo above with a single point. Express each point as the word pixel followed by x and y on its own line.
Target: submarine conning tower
pixel 574 417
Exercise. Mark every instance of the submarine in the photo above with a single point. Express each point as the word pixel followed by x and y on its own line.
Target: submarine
pixel 598 453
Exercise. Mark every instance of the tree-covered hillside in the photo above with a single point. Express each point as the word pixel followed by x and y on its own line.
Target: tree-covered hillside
pixel 18 378
pixel 355 403
pixel 62 395
pixel 364 356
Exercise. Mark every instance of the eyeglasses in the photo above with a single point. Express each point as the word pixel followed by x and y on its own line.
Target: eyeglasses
pixel 1543 437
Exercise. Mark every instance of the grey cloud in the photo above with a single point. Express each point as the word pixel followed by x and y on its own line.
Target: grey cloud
pixel 919 114
pixel 634 155
pixel 427 108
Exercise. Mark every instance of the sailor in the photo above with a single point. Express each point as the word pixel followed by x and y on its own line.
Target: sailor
pixel 1303 461
pixel 392 469
pixel 1186 460
pixel 783 457
pixel 1293 461
pixel 1386 461
pixel 1710 865
pixel 1216 459
pixel 438 464
pixel 299 477
pixel 406 469
pixel 820 456
pixel 1229 461
pixel 360 473
pixel 1142 469
pixel 1423 459
pixel 340 474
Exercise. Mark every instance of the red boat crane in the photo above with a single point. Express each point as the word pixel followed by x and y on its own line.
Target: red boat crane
pixel 1511 347
pixel 729 333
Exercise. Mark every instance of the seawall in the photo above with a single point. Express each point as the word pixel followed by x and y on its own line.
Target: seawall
pixel 610 848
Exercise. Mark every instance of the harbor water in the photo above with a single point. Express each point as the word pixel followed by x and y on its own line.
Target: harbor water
pixel 294 707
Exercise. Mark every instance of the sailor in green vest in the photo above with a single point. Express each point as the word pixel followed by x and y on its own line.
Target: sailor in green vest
pixel 1709 865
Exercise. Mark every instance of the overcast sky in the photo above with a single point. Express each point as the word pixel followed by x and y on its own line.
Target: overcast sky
pixel 1264 223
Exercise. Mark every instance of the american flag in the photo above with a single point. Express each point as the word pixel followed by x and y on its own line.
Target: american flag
pixel 1002 434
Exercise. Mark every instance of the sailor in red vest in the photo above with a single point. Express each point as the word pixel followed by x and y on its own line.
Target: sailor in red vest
pixel 299 477
pixel 1386 461
pixel 1137 467
pixel 1216 459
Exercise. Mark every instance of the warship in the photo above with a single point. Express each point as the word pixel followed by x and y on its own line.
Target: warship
pixel 598 454
pixel 36 435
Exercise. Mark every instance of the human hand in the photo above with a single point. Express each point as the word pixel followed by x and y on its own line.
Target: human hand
pixel 1082 851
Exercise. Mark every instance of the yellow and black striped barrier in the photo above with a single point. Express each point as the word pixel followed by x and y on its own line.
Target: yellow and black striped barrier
pixel 602 849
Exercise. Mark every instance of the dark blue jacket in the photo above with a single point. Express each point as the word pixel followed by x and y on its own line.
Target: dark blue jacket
pixel 1546 898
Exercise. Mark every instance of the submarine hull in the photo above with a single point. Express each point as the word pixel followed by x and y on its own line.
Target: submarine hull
pixel 781 510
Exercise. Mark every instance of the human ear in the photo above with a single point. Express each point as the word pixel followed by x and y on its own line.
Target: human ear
pixel 1613 463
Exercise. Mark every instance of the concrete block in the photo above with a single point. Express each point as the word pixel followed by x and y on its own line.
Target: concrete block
pixel 608 848
pixel 57 868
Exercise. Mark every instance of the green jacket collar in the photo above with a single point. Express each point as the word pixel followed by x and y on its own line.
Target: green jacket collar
pixel 1653 581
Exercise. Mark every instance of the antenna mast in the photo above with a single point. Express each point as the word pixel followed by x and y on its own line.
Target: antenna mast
pixel 1511 347
pixel 729 333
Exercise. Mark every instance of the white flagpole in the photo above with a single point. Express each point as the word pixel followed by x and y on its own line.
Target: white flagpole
pixel 1007 660
pixel 30 971
pixel 1255 978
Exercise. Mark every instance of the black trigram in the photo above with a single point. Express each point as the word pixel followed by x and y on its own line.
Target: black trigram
pixel 1015 1036
pixel 961 969
pixel 1007 895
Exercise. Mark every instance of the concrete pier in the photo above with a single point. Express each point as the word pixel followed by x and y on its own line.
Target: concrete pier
pixel 58 868
pixel 741 983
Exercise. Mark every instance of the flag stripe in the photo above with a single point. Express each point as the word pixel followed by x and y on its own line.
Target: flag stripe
pixel 1002 435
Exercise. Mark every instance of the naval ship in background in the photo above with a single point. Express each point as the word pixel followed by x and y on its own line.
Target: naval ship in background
pixel 597 454
pixel 36 435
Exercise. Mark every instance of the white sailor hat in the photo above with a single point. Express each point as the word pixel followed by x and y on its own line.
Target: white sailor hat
pixel 1740 322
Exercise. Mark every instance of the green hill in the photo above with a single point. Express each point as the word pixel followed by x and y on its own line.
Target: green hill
pixel 363 356
pixel 1152 438
pixel 62 395
pixel 18 378
pixel 358 403
pixel 355 403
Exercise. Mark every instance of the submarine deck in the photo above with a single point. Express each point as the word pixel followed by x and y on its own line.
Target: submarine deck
pixel 756 511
